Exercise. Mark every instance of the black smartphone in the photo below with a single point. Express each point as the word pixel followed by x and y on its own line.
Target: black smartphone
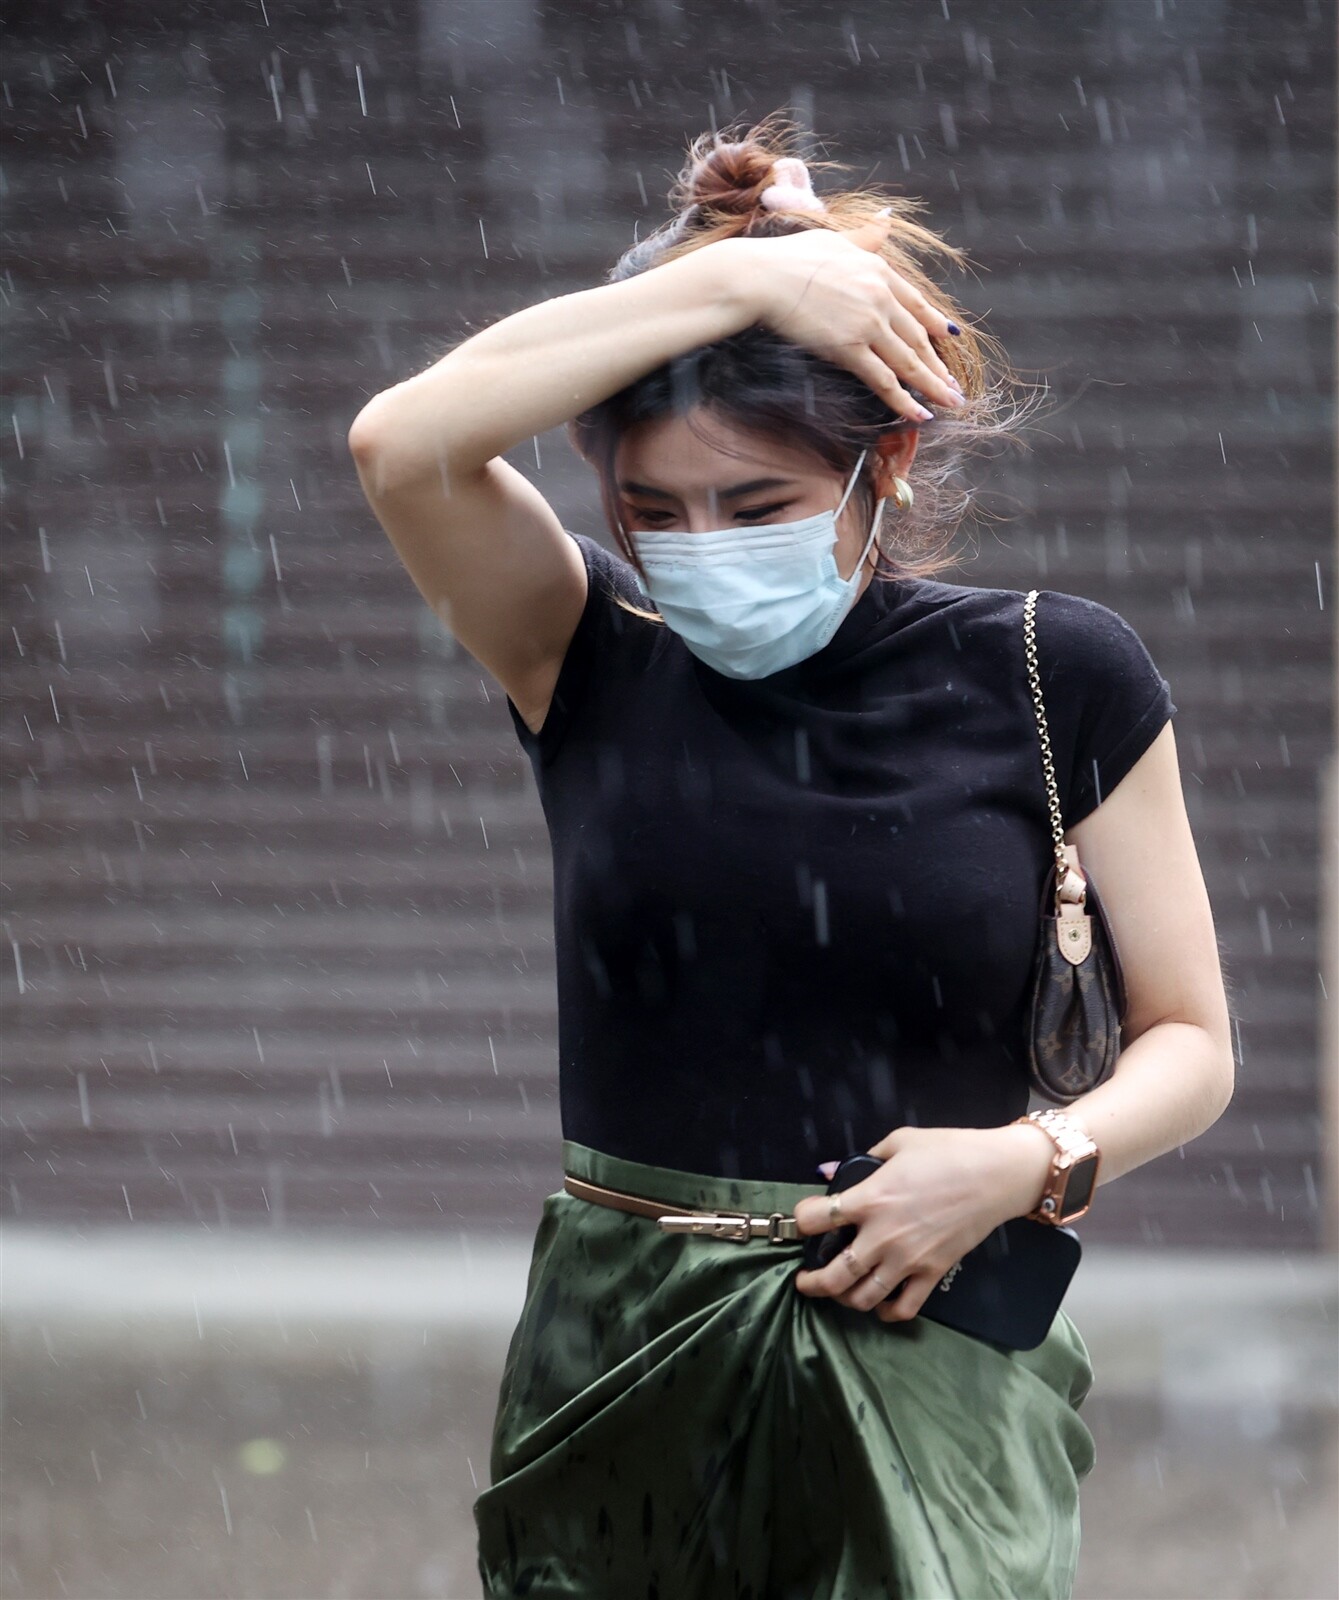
pixel 1007 1289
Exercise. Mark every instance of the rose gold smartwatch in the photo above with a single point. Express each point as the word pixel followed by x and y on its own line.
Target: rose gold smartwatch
pixel 1073 1176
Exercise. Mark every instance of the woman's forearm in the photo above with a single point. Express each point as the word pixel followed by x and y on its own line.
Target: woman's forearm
pixel 540 366
pixel 1169 1086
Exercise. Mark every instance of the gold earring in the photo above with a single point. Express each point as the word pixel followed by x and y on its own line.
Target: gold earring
pixel 903 498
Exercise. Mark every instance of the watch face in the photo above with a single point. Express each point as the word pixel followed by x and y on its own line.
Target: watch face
pixel 1079 1189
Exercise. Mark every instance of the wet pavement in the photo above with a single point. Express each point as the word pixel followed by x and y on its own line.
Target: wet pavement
pixel 266 1416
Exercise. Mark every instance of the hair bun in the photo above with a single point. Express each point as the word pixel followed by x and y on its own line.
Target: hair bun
pixel 729 177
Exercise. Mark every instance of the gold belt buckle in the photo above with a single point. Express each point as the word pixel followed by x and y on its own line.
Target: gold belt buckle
pixel 714 1224
pixel 777 1228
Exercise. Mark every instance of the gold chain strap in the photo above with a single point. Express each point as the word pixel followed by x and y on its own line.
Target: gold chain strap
pixel 1048 765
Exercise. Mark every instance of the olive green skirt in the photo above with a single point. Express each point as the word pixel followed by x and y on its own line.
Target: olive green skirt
pixel 676 1421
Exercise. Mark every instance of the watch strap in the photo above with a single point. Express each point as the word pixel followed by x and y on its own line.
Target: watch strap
pixel 1072 1146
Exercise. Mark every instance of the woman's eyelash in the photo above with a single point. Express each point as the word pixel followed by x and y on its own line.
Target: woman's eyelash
pixel 753 511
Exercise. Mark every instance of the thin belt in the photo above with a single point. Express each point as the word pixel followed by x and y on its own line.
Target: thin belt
pixel 776 1227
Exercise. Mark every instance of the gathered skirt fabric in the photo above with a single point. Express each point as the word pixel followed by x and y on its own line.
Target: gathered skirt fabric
pixel 676 1421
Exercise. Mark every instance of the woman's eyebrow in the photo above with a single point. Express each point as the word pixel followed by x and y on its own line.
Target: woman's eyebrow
pixel 751 487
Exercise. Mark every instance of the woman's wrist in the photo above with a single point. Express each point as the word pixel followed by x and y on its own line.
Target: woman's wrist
pixel 1032 1151
pixel 735 278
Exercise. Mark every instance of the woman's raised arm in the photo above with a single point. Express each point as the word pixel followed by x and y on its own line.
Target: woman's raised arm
pixel 484 547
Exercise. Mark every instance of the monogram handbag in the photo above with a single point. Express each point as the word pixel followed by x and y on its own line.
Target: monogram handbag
pixel 1078 989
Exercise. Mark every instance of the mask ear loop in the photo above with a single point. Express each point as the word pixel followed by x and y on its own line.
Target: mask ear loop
pixel 873 532
pixel 854 477
pixel 878 515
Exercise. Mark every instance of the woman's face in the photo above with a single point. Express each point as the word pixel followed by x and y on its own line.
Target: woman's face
pixel 669 479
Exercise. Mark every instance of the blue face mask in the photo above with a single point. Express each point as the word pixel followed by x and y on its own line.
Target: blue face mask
pixel 751 601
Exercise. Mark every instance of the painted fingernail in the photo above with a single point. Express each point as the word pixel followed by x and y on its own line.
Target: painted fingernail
pixel 954 328
pixel 827 1168
pixel 924 415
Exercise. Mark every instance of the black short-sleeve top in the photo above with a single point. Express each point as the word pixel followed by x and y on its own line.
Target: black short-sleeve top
pixel 795 912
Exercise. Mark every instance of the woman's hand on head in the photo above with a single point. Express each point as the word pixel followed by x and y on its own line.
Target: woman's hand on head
pixel 938 1194
pixel 832 293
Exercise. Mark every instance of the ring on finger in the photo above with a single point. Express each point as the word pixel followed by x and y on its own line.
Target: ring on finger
pixel 886 1287
pixel 849 1257
pixel 834 1208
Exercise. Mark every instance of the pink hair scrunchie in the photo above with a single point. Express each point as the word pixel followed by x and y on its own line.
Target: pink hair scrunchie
pixel 791 188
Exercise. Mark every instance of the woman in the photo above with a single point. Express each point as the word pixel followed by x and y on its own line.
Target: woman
pixel 799 830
